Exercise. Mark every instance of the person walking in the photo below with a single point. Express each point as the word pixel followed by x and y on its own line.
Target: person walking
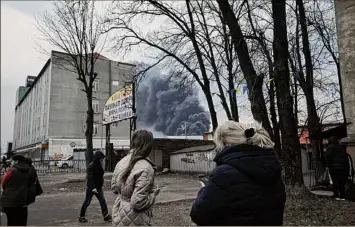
pixel 246 187
pixel 14 199
pixel 338 163
pixel 95 182
pixel 133 182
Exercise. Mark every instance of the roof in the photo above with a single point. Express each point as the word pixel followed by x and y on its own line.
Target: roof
pixel 196 149
pixel 34 82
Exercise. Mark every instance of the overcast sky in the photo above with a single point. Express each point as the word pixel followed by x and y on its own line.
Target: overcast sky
pixel 20 56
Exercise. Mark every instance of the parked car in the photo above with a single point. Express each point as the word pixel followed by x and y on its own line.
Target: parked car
pixel 66 162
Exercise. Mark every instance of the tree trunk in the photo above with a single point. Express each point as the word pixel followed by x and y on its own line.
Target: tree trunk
pixel 314 126
pixel 89 154
pixel 341 96
pixel 254 82
pixel 207 91
pixel 290 142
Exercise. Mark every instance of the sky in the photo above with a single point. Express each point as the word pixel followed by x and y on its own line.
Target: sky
pixel 20 56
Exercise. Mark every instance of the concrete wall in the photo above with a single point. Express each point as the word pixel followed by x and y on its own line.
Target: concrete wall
pixel 193 160
pixel 31 113
pixel 68 101
pixel 59 148
pixel 156 156
pixel 345 20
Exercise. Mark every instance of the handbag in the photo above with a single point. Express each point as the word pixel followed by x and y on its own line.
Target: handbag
pixel 39 190
pixel 325 178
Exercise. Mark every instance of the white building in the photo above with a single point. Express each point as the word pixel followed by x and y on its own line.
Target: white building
pixel 50 118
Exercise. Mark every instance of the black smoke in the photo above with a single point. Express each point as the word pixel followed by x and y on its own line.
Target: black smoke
pixel 163 106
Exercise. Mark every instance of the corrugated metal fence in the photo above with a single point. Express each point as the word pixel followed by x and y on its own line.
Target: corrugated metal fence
pixel 193 160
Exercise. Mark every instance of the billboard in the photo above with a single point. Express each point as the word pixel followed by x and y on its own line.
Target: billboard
pixel 119 106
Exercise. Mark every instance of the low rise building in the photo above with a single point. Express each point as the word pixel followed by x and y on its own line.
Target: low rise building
pixel 50 117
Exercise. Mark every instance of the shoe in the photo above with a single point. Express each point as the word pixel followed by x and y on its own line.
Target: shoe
pixel 108 218
pixel 342 199
pixel 82 220
pixel 337 198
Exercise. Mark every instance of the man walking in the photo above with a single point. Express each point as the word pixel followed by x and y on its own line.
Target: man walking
pixel 95 181
pixel 338 164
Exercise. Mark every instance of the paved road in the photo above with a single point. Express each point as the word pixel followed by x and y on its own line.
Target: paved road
pixel 63 208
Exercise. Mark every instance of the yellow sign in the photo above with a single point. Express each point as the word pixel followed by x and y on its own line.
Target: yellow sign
pixel 119 106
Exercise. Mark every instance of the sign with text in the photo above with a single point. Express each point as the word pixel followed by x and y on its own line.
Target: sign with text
pixel 119 106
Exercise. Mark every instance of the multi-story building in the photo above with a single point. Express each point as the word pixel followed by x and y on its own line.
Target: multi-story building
pixel 50 118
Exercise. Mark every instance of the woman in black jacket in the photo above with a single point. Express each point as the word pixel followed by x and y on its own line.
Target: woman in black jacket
pixel 14 198
pixel 246 187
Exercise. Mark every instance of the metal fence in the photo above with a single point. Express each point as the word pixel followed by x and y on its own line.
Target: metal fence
pixel 52 166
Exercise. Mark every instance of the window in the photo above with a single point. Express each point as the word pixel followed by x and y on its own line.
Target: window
pixel 95 129
pixel 95 85
pixel 95 106
pixel 115 83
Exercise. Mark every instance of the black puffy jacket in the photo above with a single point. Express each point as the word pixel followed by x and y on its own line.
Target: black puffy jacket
pixel 95 172
pixel 33 180
pixel 16 187
pixel 244 189
pixel 337 158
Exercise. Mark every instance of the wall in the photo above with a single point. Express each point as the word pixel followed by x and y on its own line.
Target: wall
pixel 345 21
pixel 168 146
pixel 31 113
pixel 68 101
pixel 193 160
pixel 59 148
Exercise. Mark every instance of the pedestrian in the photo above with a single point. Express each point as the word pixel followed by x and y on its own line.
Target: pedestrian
pixel 133 182
pixel 34 188
pixel 14 198
pixel 246 187
pixel 95 182
pixel 338 163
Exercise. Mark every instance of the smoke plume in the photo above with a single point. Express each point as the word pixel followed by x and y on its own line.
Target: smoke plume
pixel 162 106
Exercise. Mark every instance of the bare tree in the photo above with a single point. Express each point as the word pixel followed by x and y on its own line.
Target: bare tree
pixel 289 134
pixel 73 27
pixel 254 82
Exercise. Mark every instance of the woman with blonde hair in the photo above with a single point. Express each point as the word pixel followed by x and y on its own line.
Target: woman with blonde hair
pixel 133 182
pixel 246 187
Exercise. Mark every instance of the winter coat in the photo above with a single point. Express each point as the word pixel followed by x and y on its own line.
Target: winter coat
pixel 95 172
pixel 33 180
pixel 15 185
pixel 337 158
pixel 133 205
pixel 244 189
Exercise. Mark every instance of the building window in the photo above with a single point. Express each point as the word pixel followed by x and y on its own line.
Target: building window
pixel 95 85
pixel 95 106
pixel 115 83
pixel 96 127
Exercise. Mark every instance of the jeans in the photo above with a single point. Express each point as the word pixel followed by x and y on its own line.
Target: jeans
pixel 88 198
pixel 16 216
pixel 339 178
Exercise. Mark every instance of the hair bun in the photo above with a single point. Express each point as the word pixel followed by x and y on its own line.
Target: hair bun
pixel 249 133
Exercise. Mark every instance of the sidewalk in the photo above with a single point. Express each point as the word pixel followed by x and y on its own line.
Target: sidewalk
pixel 63 208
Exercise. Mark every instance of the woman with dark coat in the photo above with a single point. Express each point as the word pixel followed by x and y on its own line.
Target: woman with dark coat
pixel 337 160
pixel 14 198
pixel 246 187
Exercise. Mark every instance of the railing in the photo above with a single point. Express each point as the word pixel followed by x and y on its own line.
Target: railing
pixel 59 166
